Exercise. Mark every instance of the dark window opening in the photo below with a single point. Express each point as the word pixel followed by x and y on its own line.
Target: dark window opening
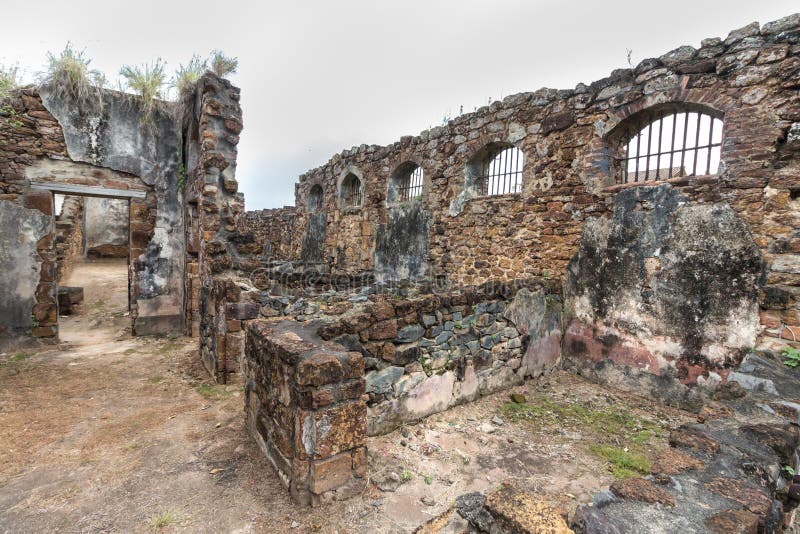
pixel 410 185
pixel 351 192
pixel 671 145
pixel 315 198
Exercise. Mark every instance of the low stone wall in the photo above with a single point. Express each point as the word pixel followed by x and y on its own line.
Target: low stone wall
pixel 304 406
pixel 105 232
pixel 224 305
pixel 272 230
pixel 69 235
pixel 431 352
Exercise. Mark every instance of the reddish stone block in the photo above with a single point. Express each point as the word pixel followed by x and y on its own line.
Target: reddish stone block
pixel 383 330
pixel 330 473
pixel 319 369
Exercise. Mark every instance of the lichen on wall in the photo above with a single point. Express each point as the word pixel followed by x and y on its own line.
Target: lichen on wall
pixel 401 250
pixel 20 264
pixel 664 286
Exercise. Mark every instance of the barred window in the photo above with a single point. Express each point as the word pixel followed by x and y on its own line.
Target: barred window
pixel 668 144
pixel 315 198
pixel 501 172
pixel 405 184
pixel 351 194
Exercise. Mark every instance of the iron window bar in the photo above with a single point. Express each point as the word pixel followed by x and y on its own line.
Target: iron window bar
pixel 352 192
pixel 410 186
pixel 642 167
pixel 503 173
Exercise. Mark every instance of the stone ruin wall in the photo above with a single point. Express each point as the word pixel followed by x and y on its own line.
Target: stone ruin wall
pixel 568 138
pixel 660 288
pixel 105 228
pixel 272 229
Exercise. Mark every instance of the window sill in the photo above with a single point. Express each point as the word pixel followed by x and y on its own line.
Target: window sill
pixel 681 180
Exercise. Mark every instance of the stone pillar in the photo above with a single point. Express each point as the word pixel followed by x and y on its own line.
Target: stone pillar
pixel 304 405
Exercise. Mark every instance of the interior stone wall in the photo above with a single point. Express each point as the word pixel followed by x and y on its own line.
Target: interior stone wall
pixel 105 228
pixel 68 235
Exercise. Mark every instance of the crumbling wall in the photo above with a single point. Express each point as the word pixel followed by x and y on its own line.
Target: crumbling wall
pixel 428 353
pixel 664 286
pixel 217 247
pixel 304 407
pixel 51 140
pixel 68 235
pixel 105 228
pixel 570 139
pixel 272 231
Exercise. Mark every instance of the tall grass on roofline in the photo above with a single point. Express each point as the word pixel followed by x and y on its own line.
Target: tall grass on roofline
pixel 68 74
pixel 186 76
pixel 147 81
pixel 223 65
pixel 8 81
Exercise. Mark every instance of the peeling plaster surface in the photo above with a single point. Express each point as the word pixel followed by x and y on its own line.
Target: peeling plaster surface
pixel 19 262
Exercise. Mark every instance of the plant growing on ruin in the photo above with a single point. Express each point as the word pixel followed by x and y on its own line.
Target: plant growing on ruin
pixel 147 81
pixel 8 81
pixel 791 356
pixel 181 177
pixel 186 76
pixel 68 75
pixel 223 65
pixel 788 471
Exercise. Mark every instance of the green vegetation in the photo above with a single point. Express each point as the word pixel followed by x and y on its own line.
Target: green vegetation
pixel 788 471
pixel 181 177
pixel 163 520
pixel 18 357
pixel 68 74
pixel 147 81
pixel 791 356
pixel 223 65
pixel 186 76
pixel 406 475
pixel 610 425
pixel 212 392
pixel 428 480
pixel 8 81
pixel 624 464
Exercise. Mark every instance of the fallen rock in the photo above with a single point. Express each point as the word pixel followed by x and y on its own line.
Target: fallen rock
pixel 672 461
pixel 470 506
pixel 691 438
pixel 518 511
pixel 728 391
pixel 639 489
pixel 733 522
pixel 486 428
pixel 449 522
pixel 590 520
pixel 389 482
pixel 751 498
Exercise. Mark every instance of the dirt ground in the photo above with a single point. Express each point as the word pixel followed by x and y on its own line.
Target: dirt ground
pixel 109 433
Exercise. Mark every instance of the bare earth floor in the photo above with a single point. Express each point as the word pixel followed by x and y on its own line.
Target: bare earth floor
pixel 110 433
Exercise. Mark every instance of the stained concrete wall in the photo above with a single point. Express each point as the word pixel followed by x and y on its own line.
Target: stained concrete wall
pixel 111 135
pixel 22 228
pixel 105 228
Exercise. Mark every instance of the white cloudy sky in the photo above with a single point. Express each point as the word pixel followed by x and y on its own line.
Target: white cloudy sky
pixel 323 75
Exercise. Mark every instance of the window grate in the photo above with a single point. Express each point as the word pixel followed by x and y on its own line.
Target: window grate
pixel 351 192
pixel 503 173
pixel 410 186
pixel 679 144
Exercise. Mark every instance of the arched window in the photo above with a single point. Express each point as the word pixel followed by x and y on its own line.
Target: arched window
pixel 315 198
pixel 666 144
pixel 496 170
pixel 351 195
pixel 405 184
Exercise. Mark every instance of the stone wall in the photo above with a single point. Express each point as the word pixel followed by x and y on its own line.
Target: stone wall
pixel 304 407
pixel 570 140
pixel 68 235
pixel 428 353
pixel 105 231
pixel 272 230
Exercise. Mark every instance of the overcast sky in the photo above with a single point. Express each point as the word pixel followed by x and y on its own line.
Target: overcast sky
pixel 321 76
